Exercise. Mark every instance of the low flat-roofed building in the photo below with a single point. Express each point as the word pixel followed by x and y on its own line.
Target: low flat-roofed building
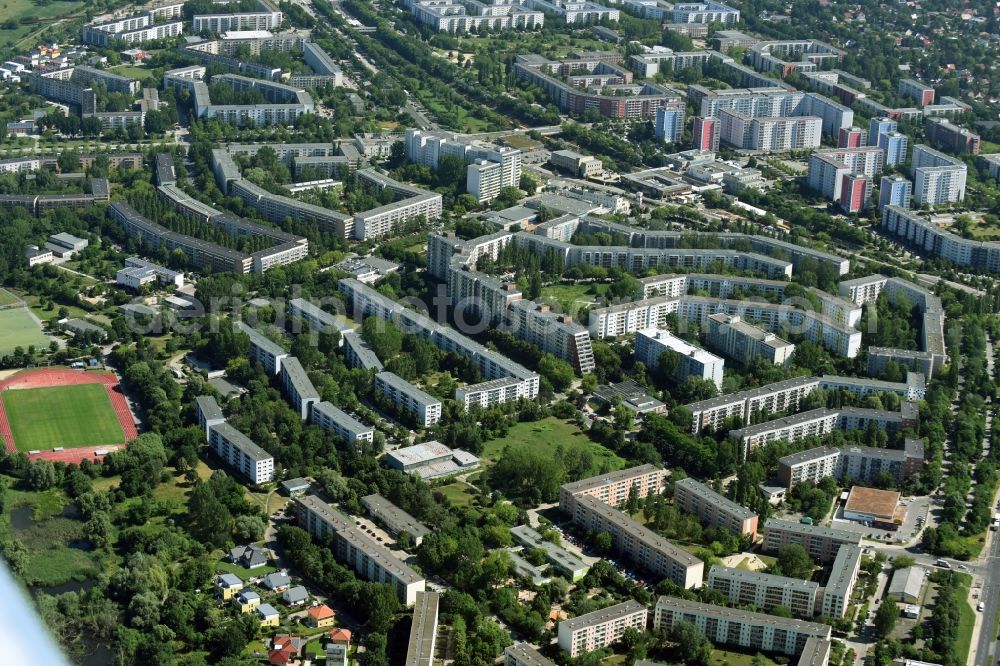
pixel 633 397
pixel 431 460
pixel 871 504
pixel 907 584
pixel 395 519
pixel 601 628
pixel 524 654
pixel 560 558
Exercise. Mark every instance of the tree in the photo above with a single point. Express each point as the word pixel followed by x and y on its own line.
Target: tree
pixel 603 542
pixel 211 520
pixel 885 619
pixel 248 528
pixel 99 529
pixel 692 646
pixel 794 562
pixel 41 475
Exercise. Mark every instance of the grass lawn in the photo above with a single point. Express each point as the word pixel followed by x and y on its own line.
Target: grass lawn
pixel 133 71
pixel 74 416
pixel 546 435
pixel 571 296
pixel 458 494
pixel 521 142
pixel 7 298
pixel 228 567
pixel 734 658
pixel 18 329
pixel 966 620
pixel 37 17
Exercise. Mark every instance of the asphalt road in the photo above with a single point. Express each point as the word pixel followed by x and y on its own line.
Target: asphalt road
pixel 987 649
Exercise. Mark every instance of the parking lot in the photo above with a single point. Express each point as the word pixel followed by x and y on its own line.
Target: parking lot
pixel 916 517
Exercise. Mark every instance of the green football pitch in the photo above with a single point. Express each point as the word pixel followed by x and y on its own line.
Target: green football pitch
pixel 66 416
pixel 18 329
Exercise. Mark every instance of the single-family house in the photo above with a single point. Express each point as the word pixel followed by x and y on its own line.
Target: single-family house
pixel 285 650
pixel 247 600
pixel 341 636
pixel 228 584
pixel 277 581
pixel 295 596
pixel 321 616
pixel 268 615
pixel 248 557
pixel 336 654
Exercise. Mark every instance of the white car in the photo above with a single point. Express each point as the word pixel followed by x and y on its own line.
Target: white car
pixel 981 607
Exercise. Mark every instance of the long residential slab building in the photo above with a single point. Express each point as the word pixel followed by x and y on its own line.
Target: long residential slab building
pixel 731 626
pixel 493 365
pixel 822 421
pixel 714 509
pixel 862 464
pixel 821 543
pixel 370 559
pixel 765 591
pixel 601 628
pixel 786 395
pixel 593 503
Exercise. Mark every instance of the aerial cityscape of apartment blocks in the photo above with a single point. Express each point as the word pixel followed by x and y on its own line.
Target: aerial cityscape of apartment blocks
pixel 423 629
pixel 714 509
pixel 552 332
pixel 764 591
pixel 783 396
pixel 208 412
pixel 852 137
pixel 772 102
pixel 942 133
pixel 524 654
pixel 730 626
pixel 263 350
pixel 601 628
pixel 821 543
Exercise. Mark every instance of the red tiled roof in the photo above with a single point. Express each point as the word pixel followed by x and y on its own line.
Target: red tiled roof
pixel 340 635
pixel 321 612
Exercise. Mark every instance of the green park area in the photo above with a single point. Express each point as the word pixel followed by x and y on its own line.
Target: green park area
pixel 67 416
pixel 24 19
pixel 571 297
pixel 546 436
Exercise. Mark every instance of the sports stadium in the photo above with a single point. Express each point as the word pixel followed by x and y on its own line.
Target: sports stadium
pixel 64 415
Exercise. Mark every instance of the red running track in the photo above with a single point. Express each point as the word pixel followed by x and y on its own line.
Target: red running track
pixel 48 377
